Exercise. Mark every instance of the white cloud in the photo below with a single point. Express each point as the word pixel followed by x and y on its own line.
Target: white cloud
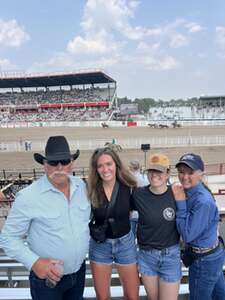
pixel 102 43
pixel 134 4
pixel 178 40
pixel 144 48
pixel 162 63
pixel 11 34
pixel 151 57
pixel 5 64
pixel 220 36
pixel 82 45
pixel 220 40
pixel 193 27
pixel 113 16
pixel 154 32
pixel 59 61
pixel 64 61
pixel 179 32
pixel 108 32
pixel 168 63
pixel 110 38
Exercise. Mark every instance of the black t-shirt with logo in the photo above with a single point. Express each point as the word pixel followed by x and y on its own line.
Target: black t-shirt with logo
pixel 157 218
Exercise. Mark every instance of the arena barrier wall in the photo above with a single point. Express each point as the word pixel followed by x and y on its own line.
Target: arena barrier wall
pixel 127 143
pixel 191 122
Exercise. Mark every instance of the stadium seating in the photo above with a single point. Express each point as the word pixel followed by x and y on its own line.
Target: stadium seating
pixel 186 112
pixel 54 96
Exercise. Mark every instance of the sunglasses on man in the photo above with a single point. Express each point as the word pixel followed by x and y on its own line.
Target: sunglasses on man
pixel 54 163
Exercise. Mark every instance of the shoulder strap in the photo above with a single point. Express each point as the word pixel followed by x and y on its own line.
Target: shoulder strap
pixel 113 198
pixel 111 203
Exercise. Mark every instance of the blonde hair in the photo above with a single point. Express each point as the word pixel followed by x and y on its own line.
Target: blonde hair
pixel 94 180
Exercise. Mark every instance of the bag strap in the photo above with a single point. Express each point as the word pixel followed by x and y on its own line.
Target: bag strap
pixel 111 203
pixel 112 200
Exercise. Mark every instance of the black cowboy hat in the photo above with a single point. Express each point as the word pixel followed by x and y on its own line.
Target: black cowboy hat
pixel 57 148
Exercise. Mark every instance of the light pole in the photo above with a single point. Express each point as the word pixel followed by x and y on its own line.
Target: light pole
pixel 145 148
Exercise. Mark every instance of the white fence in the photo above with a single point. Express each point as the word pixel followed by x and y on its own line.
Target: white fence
pixel 128 143
pixel 191 122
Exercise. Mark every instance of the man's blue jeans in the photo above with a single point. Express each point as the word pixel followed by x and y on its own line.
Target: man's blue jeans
pixel 206 279
pixel 70 287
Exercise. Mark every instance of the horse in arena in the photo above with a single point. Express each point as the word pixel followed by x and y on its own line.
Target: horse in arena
pixel 104 125
pixel 163 126
pixel 154 125
pixel 114 147
pixel 175 124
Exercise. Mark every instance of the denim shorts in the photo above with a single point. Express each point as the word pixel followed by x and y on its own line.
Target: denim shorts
pixel 121 251
pixel 165 263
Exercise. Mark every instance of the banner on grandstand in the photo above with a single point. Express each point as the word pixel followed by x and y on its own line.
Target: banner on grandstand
pixel 129 109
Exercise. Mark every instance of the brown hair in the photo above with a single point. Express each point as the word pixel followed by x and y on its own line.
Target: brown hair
pixel 94 180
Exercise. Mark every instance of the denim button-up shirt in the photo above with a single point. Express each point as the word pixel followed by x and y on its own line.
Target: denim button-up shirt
pixel 43 223
pixel 197 217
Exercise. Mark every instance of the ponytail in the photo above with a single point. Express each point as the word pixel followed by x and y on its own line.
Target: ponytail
pixel 208 189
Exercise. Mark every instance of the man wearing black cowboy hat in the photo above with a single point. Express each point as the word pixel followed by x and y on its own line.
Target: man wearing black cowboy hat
pixel 53 214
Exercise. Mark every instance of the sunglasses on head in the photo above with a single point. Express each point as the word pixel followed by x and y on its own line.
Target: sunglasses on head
pixel 102 150
pixel 54 163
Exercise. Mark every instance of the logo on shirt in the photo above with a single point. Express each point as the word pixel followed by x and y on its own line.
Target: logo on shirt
pixel 169 214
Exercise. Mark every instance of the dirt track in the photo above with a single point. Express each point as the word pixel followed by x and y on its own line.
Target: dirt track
pixel 18 160
pixel 42 133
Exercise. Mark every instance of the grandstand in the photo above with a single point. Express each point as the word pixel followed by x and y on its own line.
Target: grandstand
pixel 201 111
pixel 82 96
pixel 67 99
pixel 214 101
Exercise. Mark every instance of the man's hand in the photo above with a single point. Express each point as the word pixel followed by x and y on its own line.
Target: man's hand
pixel 46 268
pixel 178 192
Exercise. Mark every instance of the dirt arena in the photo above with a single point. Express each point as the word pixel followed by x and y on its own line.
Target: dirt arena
pixel 24 160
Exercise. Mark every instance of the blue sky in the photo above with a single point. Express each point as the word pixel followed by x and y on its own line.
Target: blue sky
pixel 160 49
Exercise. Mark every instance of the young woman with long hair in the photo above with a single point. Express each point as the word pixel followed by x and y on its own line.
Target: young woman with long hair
pixel 106 172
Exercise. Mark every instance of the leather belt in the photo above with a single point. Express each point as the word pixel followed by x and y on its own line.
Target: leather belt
pixel 204 250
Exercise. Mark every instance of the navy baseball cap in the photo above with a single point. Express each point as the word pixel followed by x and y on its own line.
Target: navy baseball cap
pixel 191 160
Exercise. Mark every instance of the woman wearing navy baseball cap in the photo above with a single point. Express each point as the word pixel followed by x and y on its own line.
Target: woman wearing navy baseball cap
pixel 197 220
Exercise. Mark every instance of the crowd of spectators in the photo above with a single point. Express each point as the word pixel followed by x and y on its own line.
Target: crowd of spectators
pixel 186 112
pixel 55 96
pixel 56 115
pixel 102 114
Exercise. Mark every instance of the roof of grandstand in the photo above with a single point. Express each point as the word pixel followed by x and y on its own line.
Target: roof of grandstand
pixel 54 79
pixel 212 97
